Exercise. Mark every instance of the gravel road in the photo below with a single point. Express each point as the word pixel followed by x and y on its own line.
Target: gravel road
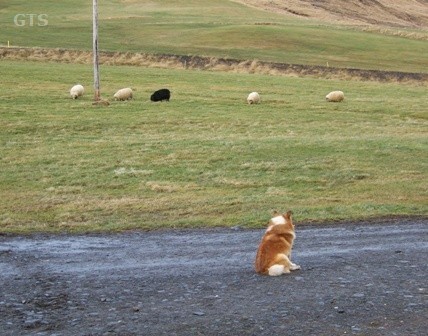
pixel 356 279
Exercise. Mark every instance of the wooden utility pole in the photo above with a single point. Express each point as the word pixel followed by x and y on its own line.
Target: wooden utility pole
pixel 95 50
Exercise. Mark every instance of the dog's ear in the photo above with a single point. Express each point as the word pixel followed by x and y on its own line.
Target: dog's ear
pixel 275 213
pixel 287 215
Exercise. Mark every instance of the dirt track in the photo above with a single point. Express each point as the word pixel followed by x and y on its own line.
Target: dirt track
pixel 356 279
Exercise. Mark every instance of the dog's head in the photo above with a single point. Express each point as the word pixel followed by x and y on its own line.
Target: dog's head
pixel 278 219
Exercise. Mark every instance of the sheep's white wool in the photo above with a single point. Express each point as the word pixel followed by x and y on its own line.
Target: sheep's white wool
pixel 123 94
pixel 335 96
pixel 77 91
pixel 253 98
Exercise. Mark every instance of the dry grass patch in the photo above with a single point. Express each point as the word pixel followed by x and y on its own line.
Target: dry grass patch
pixel 395 13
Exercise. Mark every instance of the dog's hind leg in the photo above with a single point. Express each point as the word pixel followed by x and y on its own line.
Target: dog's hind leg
pixel 294 267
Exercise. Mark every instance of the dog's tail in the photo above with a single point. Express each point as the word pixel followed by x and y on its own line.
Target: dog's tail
pixel 276 270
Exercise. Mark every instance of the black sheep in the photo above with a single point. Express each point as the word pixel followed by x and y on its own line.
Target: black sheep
pixel 160 95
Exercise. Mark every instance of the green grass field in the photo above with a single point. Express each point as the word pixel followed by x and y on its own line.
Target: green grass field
pixel 206 28
pixel 206 158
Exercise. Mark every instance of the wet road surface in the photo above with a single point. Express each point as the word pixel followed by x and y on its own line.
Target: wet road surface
pixel 356 279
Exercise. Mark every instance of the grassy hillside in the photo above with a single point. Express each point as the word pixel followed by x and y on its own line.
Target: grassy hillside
pixel 206 158
pixel 404 14
pixel 211 28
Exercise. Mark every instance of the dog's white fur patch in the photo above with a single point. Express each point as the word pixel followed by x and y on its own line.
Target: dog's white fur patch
pixel 294 267
pixel 276 270
pixel 278 220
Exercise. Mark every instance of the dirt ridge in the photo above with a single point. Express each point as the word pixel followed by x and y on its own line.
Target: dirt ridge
pixel 209 63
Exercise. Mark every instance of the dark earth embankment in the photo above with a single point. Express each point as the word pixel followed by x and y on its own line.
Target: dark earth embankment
pixel 209 63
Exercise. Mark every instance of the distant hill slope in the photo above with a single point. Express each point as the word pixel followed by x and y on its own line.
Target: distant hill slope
pixel 384 13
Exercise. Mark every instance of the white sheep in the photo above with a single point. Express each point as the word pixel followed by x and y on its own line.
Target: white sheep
pixel 335 96
pixel 77 91
pixel 253 98
pixel 123 94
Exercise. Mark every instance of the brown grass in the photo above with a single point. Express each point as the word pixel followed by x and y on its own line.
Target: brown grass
pixel 381 13
pixel 210 63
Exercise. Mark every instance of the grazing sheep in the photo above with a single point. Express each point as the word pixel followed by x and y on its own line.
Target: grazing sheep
pixel 159 95
pixel 253 98
pixel 76 91
pixel 123 94
pixel 335 96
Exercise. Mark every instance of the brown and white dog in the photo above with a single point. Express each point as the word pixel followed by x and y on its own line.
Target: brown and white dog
pixel 274 253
